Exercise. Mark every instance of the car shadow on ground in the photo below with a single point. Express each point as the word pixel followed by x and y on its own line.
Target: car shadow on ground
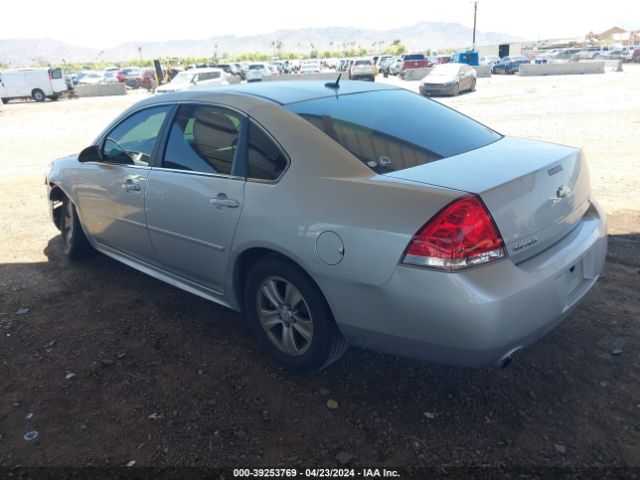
pixel 117 365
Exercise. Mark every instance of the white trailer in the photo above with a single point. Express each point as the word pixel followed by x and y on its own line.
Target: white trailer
pixel 36 83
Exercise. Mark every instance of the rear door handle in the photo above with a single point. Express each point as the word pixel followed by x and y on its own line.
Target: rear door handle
pixel 221 201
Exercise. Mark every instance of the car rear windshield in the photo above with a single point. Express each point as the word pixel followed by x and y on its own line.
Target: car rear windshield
pixel 414 57
pixel 363 62
pixel 391 130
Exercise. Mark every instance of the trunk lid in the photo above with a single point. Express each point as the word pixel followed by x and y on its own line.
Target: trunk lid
pixel 536 191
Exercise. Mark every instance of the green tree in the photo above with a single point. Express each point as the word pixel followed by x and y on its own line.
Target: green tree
pixel 395 48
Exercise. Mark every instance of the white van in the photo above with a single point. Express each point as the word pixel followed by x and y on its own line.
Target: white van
pixel 36 83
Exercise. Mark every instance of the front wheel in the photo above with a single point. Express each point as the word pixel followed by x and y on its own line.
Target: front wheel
pixel 455 90
pixel 75 243
pixel 473 85
pixel 38 95
pixel 290 317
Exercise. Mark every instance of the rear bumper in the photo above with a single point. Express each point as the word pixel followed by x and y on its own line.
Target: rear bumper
pixel 476 317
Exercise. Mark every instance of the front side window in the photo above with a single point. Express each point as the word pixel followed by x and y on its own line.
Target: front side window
pixel 394 129
pixel 203 139
pixel 132 141
pixel 56 73
pixel 265 160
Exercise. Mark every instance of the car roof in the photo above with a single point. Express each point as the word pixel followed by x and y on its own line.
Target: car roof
pixel 284 92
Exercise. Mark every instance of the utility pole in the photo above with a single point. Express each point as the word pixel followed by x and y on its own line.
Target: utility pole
pixel 475 11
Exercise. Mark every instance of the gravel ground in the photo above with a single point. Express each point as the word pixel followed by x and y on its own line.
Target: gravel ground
pixel 115 366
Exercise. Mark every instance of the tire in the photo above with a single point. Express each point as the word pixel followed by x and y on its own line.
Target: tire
pixel 455 90
pixel 75 243
pixel 298 329
pixel 38 95
pixel 473 85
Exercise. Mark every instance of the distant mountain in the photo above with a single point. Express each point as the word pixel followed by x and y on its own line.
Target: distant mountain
pixel 422 36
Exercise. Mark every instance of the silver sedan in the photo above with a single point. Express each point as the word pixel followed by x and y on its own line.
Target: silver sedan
pixel 449 79
pixel 340 213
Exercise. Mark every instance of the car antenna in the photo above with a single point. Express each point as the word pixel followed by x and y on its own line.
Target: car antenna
pixel 335 85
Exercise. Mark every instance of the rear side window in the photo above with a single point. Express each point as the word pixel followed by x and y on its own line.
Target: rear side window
pixel 203 139
pixel 266 160
pixel 392 130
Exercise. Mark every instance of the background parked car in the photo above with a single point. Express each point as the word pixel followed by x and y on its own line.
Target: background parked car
pixel 146 78
pixel 256 71
pixel 509 65
pixel 195 78
pixel 309 67
pixel 91 78
pixel 123 74
pixel 395 66
pixel 362 69
pixel 36 83
pixel 490 60
pixel 449 79
pixel 229 68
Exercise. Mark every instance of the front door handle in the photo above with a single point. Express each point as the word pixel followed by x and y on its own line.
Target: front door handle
pixel 221 201
pixel 131 187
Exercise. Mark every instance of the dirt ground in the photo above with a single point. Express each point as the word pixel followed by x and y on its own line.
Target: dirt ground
pixel 110 366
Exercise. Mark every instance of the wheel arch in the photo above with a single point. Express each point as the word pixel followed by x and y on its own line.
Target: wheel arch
pixel 252 255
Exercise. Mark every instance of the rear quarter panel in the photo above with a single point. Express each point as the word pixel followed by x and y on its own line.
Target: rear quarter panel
pixel 327 189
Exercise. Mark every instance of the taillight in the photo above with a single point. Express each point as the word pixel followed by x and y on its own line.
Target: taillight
pixel 460 235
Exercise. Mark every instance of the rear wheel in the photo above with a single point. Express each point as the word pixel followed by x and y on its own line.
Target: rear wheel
pixel 76 246
pixel 38 95
pixel 290 317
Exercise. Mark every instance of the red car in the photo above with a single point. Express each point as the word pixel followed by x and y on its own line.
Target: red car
pixel 145 78
pixel 415 60
pixel 127 72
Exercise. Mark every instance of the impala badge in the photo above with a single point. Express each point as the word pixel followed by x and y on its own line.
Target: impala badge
pixel 527 243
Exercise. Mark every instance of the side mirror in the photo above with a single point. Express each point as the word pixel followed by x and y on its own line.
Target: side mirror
pixel 90 154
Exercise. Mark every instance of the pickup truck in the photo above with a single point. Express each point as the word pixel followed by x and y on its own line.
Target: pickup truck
pixel 414 60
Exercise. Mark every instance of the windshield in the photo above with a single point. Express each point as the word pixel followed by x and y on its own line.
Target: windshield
pixel 256 67
pixel 182 78
pixel 445 70
pixel 363 62
pixel 392 130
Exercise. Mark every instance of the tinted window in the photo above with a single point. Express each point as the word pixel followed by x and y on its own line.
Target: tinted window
pixel 394 129
pixel 266 160
pixel 132 140
pixel 208 76
pixel 414 57
pixel 203 139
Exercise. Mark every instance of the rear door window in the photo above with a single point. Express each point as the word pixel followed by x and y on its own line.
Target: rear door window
pixel 392 130
pixel 203 139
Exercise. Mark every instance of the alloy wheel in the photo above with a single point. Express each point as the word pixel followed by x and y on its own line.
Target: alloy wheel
pixel 285 316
